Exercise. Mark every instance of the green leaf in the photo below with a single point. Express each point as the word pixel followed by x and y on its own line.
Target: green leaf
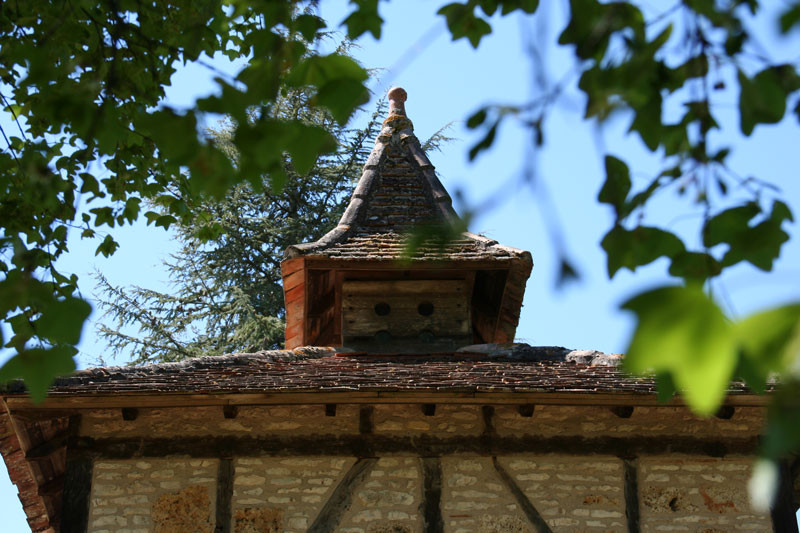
pixel 476 119
pixel 342 97
pixel 164 221
pixel 39 367
pixel 174 134
pixel 617 185
pixel 727 225
pixel 308 26
pixel 485 143
pixel 682 332
pixel 790 18
pixel 694 266
pixel 364 19
pixel 665 387
pixel 306 145
pixel 527 6
pixel 762 99
pixel 769 343
pixel 107 247
pixel 639 246
pixel 759 245
pixel 462 22
pixel 62 320
pixel 488 6
pixel 103 215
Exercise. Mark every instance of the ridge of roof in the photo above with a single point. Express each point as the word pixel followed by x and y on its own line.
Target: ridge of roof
pixel 397 192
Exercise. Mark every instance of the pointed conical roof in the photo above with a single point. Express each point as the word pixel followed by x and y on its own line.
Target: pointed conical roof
pixel 398 192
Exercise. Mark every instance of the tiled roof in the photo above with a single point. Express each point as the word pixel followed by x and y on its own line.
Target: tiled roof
pixel 391 245
pixel 523 369
pixel 398 192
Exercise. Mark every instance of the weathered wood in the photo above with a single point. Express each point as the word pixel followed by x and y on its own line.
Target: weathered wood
pixel 77 484
pixel 225 474
pixel 290 266
pixel 352 265
pixel 418 287
pixel 632 506
pixel 39 416
pixel 365 420
pixel 22 405
pixel 296 293
pixel 370 445
pixel 327 521
pixel 404 303
pixel 293 280
pixel 432 495
pixel 524 503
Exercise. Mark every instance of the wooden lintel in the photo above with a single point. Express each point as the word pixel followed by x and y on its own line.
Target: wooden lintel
pixel 22 405
pixel 367 444
pixel 325 263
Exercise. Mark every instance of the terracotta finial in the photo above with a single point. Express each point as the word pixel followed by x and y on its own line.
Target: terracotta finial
pixel 397 97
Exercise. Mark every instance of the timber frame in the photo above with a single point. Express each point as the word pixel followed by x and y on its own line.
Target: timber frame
pixel 313 294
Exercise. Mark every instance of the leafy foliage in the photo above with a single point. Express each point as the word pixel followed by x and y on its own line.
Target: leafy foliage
pixel 93 129
pixel 226 294
pixel 84 82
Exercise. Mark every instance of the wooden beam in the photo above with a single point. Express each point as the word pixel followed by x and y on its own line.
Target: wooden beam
pixel 352 265
pixel 225 474
pixel 365 420
pixel 23 406
pixel 432 521
pixel 531 513
pixel 77 484
pixel 371 445
pixel 632 506
pixel 328 519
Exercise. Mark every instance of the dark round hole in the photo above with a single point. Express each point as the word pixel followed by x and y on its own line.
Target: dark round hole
pixel 425 309
pixel 382 309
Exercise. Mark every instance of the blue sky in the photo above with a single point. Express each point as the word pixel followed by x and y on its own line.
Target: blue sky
pixel 446 82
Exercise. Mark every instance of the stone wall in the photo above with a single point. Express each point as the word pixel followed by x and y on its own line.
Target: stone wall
pixel 393 491
pixel 571 494
pixel 693 494
pixel 153 495
pixel 410 419
pixel 289 491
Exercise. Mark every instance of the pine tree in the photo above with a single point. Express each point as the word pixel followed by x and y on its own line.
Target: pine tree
pixel 228 295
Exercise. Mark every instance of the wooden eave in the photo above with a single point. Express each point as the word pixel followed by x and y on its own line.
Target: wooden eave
pixel 62 404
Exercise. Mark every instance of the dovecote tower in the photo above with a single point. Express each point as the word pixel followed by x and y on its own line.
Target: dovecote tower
pixel 354 287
